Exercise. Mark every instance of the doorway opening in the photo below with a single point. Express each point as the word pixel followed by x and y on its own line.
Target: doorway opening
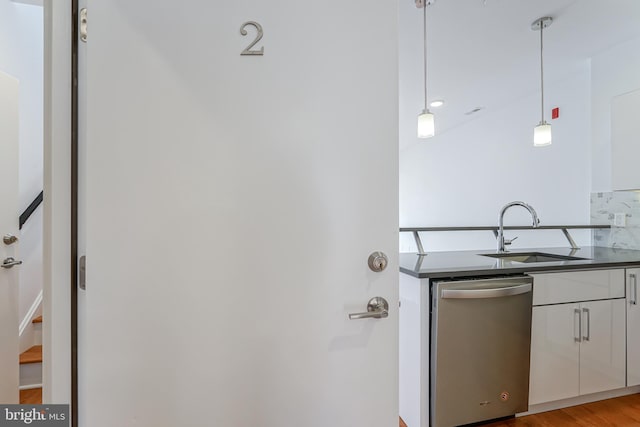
pixel 22 57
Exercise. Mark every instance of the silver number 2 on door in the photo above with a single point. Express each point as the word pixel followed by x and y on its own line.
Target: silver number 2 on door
pixel 248 50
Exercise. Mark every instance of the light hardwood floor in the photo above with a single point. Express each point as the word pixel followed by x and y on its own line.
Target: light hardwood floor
pixel 619 412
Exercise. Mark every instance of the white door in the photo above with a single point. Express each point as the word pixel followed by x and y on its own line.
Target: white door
pixel 8 226
pixel 232 202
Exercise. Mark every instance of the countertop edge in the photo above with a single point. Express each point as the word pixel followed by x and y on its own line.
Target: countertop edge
pixel 578 265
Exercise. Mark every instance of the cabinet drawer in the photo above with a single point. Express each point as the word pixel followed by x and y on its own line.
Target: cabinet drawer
pixel 574 286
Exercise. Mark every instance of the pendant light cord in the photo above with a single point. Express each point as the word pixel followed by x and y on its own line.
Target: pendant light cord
pixel 424 14
pixel 541 76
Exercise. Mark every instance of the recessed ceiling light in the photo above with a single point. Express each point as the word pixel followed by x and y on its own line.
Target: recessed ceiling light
pixel 437 103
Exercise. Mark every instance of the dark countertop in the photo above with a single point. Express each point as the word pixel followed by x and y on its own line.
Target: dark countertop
pixel 471 263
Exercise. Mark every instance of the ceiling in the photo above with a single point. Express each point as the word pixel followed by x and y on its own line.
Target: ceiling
pixel 484 53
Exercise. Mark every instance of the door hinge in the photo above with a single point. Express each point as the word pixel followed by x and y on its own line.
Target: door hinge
pixel 82 272
pixel 83 24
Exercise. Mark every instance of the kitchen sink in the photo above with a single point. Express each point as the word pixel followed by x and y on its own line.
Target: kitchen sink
pixel 532 257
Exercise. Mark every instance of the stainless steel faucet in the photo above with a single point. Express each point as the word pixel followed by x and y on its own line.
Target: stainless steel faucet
pixel 502 242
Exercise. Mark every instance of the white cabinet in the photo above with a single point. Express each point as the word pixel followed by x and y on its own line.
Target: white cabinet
pixel 633 328
pixel 555 355
pixel 577 348
pixel 575 286
pixel 414 351
pixel 602 350
pixel 625 131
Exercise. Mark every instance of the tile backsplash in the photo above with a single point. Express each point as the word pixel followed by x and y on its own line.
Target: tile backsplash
pixel 604 207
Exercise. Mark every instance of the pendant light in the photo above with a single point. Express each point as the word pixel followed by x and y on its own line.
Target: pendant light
pixel 542 132
pixel 426 124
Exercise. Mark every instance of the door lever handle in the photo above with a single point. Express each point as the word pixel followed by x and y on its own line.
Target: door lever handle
pixel 377 308
pixel 9 263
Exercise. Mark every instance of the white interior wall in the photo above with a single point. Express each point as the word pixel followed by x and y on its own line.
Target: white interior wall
pixel 21 55
pixel 31 256
pixel 462 177
pixel 614 71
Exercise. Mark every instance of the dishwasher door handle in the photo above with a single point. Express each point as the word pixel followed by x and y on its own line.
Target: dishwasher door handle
pixel 486 293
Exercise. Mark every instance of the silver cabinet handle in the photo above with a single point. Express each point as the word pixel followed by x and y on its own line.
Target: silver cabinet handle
pixel 486 293
pixel 9 263
pixel 377 308
pixel 634 301
pixel 576 311
pixel 586 336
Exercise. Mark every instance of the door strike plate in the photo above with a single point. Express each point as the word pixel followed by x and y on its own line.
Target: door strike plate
pixel 82 272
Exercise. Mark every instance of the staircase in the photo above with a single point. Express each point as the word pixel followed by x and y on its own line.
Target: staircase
pixel 31 368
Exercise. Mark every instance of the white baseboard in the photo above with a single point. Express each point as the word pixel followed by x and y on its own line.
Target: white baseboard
pixel 30 313
pixel 580 400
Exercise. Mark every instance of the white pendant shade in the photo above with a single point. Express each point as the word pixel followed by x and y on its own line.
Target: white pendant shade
pixel 542 135
pixel 426 125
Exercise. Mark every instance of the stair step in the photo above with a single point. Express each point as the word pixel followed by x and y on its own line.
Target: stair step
pixel 33 355
pixel 37 320
pixel 31 396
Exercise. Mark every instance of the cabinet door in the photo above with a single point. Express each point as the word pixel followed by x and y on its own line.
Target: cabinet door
pixel 602 351
pixel 633 328
pixel 555 353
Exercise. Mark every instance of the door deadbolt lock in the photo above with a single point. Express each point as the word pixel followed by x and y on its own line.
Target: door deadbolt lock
pixel 9 239
pixel 378 261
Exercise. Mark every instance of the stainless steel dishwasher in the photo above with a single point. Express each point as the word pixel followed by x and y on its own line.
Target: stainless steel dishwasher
pixel 480 348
